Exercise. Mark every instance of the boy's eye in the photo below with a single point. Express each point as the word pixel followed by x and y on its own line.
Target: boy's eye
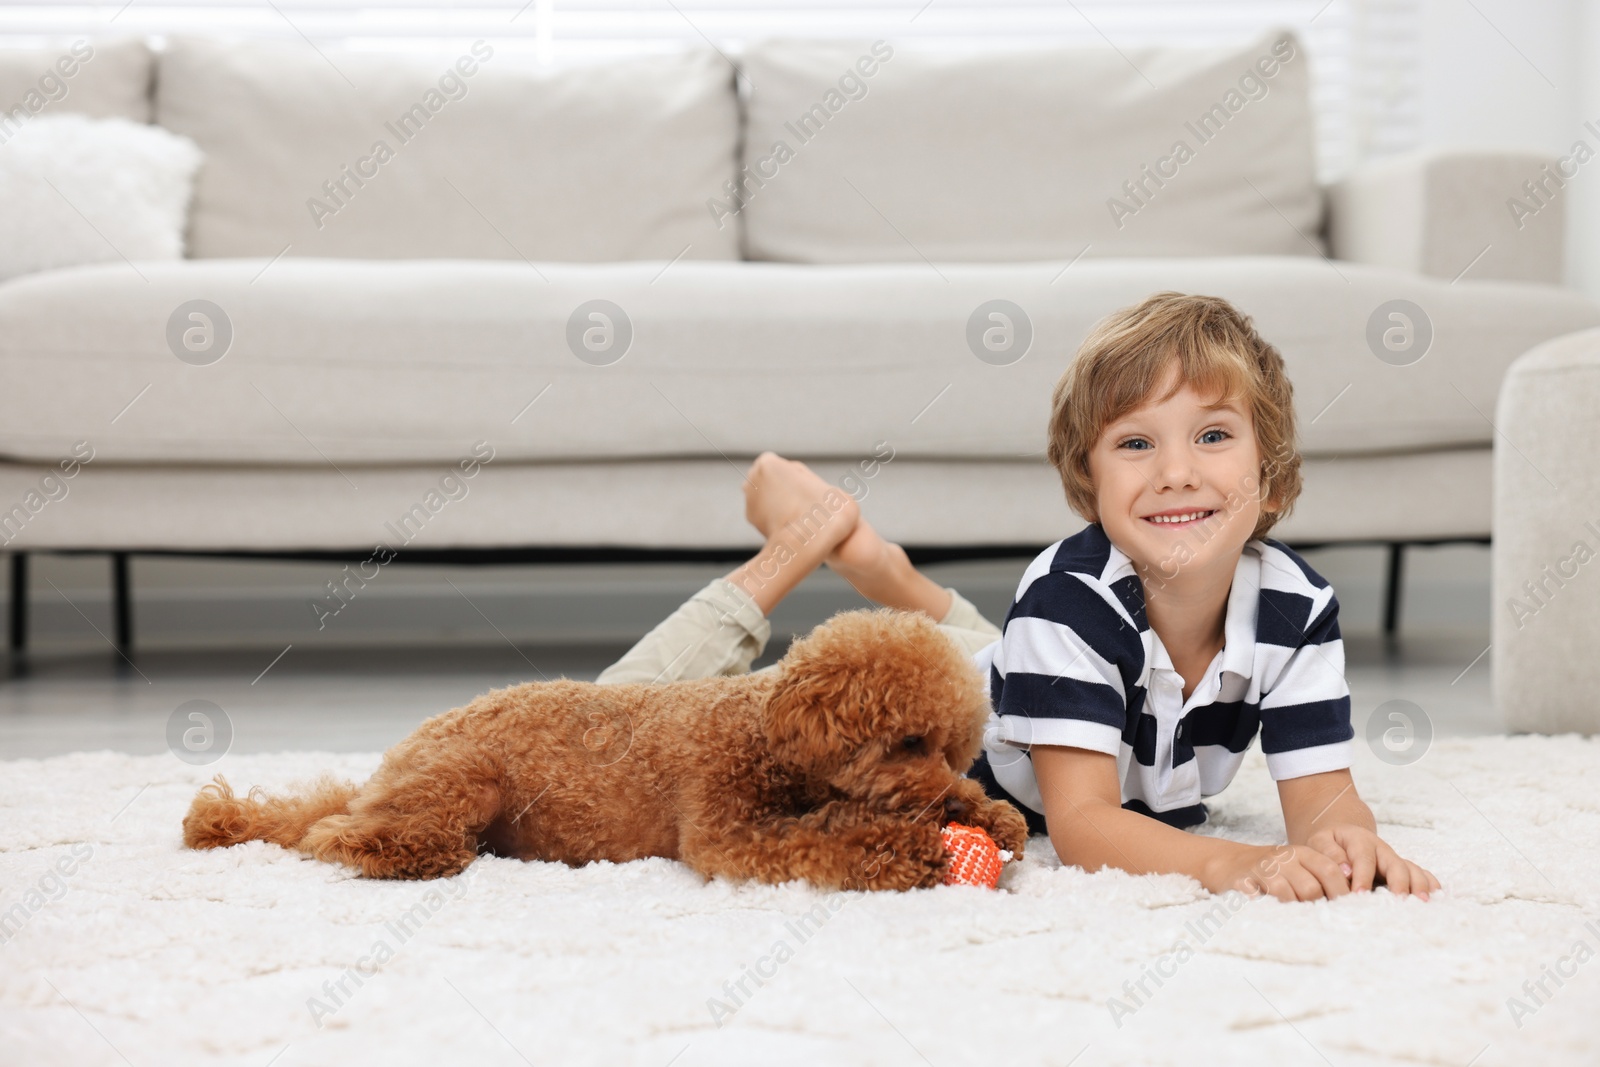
pixel 1135 444
pixel 1219 435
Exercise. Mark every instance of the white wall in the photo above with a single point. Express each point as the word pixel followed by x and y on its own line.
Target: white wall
pixel 1510 74
pixel 1583 214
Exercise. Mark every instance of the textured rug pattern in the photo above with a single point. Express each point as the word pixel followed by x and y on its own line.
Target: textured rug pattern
pixel 118 946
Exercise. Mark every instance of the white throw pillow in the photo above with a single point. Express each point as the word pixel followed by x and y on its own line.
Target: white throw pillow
pixel 77 190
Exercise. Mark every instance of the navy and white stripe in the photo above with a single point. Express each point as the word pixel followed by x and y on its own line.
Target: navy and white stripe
pixel 1078 665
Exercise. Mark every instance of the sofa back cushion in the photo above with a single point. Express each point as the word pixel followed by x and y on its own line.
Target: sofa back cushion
pixel 473 156
pixel 870 152
pixel 106 79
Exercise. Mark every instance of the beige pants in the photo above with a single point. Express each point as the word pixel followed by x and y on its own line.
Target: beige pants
pixel 721 631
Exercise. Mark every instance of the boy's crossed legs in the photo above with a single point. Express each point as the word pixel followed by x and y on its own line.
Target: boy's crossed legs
pixel 808 522
pixel 723 628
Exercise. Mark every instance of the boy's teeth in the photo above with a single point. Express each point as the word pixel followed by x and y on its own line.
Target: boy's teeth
pixel 1189 517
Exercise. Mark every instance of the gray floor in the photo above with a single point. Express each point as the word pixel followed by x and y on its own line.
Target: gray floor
pixel 74 693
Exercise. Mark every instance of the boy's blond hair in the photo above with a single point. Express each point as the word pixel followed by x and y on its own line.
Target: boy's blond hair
pixel 1216 350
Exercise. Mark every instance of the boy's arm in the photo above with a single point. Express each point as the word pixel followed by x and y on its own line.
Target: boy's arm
pixel 1322 811
pixel 1306 733
pixel 1090 828
pixel 1318 801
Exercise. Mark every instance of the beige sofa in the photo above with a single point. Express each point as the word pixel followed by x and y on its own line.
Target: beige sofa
pixel 604 289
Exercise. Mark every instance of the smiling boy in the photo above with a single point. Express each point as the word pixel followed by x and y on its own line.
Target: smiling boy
pixel 1141 656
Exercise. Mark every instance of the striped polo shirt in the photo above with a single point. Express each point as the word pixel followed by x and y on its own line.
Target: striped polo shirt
pixel 1078 665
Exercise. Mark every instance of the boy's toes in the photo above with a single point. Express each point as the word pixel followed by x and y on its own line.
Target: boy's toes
pixel 783 498
pixel 763 465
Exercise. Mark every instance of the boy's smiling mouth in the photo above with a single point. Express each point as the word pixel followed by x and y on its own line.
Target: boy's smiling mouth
pixel 1178 518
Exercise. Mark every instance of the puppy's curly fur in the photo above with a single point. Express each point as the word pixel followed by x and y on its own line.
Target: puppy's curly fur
pixel 840 768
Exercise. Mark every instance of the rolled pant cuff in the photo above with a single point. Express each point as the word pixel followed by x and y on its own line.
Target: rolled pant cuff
pixel 738 607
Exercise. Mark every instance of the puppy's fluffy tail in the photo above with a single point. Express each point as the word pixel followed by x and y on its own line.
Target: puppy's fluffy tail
pixel 217 818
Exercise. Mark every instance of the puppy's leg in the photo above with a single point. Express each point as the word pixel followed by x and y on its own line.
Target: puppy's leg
pixel 418 817
pixel 998 819
pixel 839 846
pixel 218 818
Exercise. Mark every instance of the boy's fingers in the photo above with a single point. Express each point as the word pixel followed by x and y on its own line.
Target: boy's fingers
pixel 1329 846
pixel 1306 885
pixel 1341 859
pixel 1264 888
pixel 1363 865
pixel 1271 885
pixel 1420 880
pixel 1396 873
pixel 1328 873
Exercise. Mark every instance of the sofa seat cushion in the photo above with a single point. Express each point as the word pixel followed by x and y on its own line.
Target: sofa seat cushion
pixel 472 154
pixel 867 152
pixel 319 362
pixel 653 504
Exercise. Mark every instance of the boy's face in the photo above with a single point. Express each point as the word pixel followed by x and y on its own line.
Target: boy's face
pixel 1177 483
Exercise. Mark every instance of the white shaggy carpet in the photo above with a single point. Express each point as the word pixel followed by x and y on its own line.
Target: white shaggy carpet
pixel 149 954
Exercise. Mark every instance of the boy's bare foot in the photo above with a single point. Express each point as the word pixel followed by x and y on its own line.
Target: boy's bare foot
pixel 803 519
pixel 806 521
pixel 787 501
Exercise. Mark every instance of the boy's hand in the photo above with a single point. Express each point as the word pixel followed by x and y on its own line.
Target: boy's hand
pixel 1288 872
pixel 1361 854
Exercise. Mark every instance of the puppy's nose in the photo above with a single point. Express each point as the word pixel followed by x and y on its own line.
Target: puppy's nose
pixel 954 808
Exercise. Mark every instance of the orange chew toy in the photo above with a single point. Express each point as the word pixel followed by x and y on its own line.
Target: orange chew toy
pixel 973 857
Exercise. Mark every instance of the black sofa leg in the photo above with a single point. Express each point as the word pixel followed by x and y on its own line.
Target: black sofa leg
pixel 121 603
pixel 1391 590
pixel 18 630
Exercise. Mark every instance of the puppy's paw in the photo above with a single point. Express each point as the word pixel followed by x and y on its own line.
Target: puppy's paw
pixel 996 818
pixel 1004 823
pixel 911 856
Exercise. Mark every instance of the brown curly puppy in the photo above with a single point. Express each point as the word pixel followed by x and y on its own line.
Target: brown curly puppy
pixel 840 768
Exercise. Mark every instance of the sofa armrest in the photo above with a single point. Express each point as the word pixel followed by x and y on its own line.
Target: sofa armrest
pixel 1481 215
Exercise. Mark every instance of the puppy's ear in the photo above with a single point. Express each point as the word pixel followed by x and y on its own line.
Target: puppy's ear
pixel 864 675
pixel 812 717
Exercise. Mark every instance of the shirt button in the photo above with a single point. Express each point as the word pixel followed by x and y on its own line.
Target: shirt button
pixel 1179 732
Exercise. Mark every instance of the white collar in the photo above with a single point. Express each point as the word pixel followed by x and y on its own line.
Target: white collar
pixel 1239 623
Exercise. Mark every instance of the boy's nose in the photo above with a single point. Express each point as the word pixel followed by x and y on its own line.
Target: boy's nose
pixel 1179 472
